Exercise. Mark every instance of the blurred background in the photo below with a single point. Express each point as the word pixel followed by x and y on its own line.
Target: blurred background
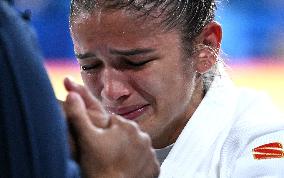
pixel 253 42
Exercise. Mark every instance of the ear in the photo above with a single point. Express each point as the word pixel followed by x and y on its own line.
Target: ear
pixel 208 46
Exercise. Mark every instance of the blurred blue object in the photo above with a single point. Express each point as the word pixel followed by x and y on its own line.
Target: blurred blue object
pixel 50 19
pixel 33 133
pixel 252 29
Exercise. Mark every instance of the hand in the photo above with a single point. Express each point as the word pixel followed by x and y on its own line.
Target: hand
pixel 109 145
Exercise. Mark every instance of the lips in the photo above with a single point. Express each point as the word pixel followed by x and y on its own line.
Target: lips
pixel 130 112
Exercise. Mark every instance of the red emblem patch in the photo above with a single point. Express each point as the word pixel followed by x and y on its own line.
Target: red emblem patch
pixel 268 151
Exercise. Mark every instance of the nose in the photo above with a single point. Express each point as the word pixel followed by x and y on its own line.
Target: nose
pixel 115 86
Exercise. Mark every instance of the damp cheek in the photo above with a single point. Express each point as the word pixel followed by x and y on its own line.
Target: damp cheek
pixel 148 86
pixel 91 81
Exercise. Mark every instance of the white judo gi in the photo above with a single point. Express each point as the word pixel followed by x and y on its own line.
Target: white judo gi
pixel 221 138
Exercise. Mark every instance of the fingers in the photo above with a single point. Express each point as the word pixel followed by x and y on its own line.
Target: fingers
pixel 77 114
pixel 126 125
pixel 95 110
pixel 140 139
pixel 154 167
pixel 107 140
pixel 89 99
pixel 148 166
pixel 99 119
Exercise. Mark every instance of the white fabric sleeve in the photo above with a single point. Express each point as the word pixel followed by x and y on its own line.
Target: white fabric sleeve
pixel 255 163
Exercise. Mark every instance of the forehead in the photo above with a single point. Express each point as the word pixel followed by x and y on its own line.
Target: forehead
pixel 119 28
pixel 113 22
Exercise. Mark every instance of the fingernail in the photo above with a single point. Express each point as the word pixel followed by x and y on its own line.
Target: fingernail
pixel 69 83
pixel 71 78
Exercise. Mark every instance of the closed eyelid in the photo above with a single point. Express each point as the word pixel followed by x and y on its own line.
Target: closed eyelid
pixel 87 67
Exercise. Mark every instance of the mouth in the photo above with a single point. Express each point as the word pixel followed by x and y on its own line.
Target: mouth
pixel 131 112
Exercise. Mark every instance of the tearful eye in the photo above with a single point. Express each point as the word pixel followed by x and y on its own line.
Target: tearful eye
pixel 137 64
pixel 89 67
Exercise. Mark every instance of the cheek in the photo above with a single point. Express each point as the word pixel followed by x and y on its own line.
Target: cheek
pixel 91 82
pixel 147 84
pixel 170 86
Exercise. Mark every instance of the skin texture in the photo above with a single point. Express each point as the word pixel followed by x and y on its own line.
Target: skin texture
pixel 164 84
pixel 134 70
pixel 108 145
pixel 161 88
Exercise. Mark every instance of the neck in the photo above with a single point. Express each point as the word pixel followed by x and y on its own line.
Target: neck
pixel 176 128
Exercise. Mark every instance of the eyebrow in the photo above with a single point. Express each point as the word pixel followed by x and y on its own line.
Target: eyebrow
pixel 85 55
pixel 131 52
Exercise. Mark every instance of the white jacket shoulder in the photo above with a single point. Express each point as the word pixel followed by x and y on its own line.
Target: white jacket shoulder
pixel 257 123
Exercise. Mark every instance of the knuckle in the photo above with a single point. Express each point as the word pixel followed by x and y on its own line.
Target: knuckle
pixel 157 170
pixel 116 120
pixel 132 126
pixel 145 145
pixel 97 115
pixel 146 138
pixel 145 135
pixel 98 119
pixel 129 126
pixel 153 152
pixel 152 169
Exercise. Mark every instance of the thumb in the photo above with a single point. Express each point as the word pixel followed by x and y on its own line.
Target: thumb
pixel 77 115
pixel 86 95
